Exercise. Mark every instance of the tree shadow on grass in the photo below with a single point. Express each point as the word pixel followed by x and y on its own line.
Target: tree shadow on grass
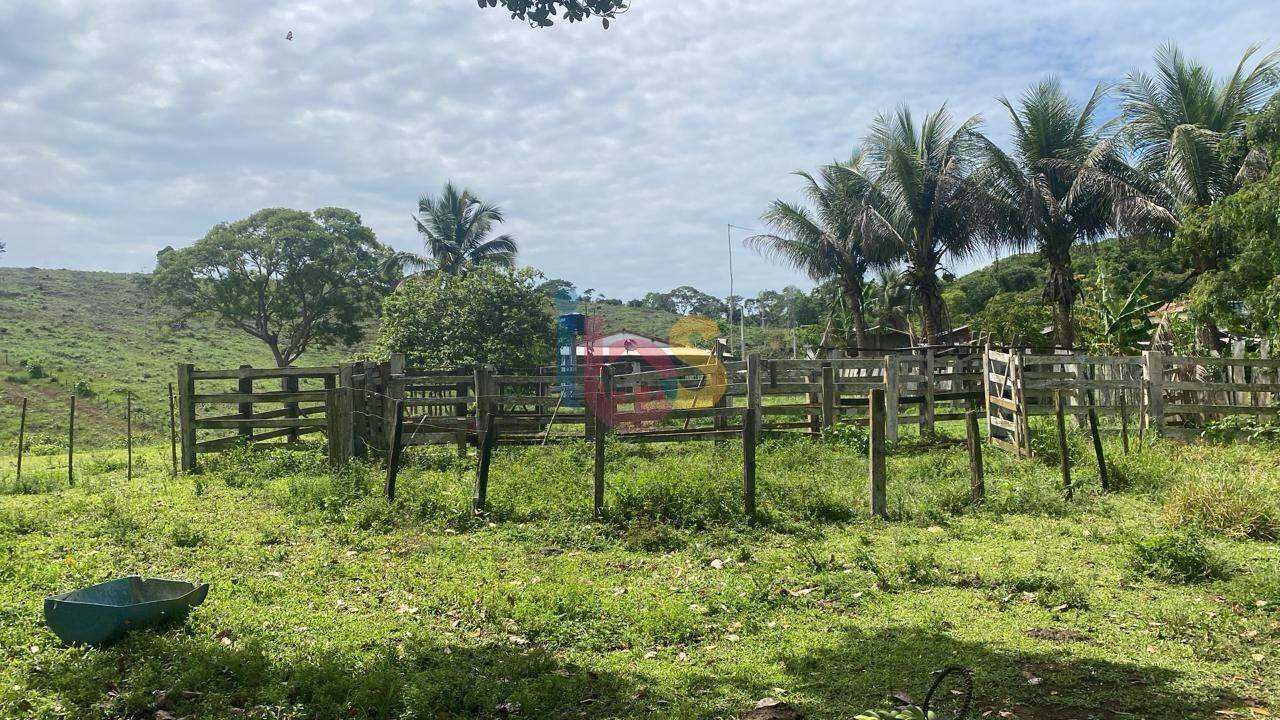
pixel 200 676
pixel 859 670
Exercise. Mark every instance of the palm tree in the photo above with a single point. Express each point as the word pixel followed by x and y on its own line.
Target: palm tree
pixel 455 228
pixel 1030 188
pixel 923 206
pixel 891 302
pixel 1178 117
pixel 825 242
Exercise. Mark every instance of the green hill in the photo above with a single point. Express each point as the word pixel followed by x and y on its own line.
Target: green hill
pixel 1125 260
pixel 98 332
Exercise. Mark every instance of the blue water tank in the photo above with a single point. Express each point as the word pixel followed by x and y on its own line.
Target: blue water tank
pixel 574 322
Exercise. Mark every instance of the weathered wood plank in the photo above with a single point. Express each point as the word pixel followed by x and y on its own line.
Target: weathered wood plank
pixel 262 397
pixel 250 423
pixel 260 373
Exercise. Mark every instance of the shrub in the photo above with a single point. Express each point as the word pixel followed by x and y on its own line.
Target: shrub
pixel 34 367
pixel 848 434
pixel 1227 506
pixel 83 389
pixel 1177 557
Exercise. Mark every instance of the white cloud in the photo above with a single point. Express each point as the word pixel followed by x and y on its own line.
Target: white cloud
pixel 618 155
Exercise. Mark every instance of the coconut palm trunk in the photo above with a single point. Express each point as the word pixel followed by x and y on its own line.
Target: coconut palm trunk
pixel 1060 291
pixel 933 311
pixel 853 301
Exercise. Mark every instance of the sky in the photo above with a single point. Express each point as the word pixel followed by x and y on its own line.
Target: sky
pixel 619 156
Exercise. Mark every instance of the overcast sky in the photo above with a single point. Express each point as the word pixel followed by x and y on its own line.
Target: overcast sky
pixel 618 155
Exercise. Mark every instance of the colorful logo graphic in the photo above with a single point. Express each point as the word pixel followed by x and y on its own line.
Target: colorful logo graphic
pixel 677 375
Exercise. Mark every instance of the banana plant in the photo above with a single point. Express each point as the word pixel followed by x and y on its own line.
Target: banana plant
pixel 1118 324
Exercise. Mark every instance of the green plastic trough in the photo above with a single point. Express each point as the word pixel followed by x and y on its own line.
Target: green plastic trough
pixel 103 612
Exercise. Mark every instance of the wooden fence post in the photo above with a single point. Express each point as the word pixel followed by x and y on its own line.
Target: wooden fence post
pixel 1097 447
pixel 71 443
pixel 749 438
pixel 339 412
pixel 244 386
pixel 1124 419
pixel 460 412
pixel 486 441
pixel 828 396
pixel 814 398
pixel 754 393
pixel 878 416
pixel 290 384
pixel 927 408
pixel 985 384
pixel 173 437
pixel 1059 412
pixel 187 416
pixel 891 398
pixel 1022 418
pixel 22 432
pixel 1153 379
pixel 977 484
pixel 603 421
pixel 393 454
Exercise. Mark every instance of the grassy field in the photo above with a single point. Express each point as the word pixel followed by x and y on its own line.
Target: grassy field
pixel 1158 600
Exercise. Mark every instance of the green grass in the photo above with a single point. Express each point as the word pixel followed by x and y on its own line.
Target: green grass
pixel 327 601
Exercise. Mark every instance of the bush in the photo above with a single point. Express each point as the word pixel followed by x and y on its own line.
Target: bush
pixel 849 434
pixel 1227 506
pixel 488 315
pixel 1177 557
pixel 34 367
pixel 83 389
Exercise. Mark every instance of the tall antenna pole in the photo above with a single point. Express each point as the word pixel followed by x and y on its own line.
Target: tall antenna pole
pixel 728 233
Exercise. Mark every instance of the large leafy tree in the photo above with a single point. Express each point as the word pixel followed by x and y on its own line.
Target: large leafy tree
pixel 1030 188
pixel 490 315
pixel 825 242
pixel 455 228
pixel 924 207
pixel 290 278
pixel 1184 122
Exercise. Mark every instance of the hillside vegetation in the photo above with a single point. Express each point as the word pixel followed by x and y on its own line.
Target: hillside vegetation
pixel 63 331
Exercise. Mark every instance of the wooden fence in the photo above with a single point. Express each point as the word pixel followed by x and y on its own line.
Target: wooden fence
pixel 379 408
pixel 1165 395
pixel 359 405
pixel 303 407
